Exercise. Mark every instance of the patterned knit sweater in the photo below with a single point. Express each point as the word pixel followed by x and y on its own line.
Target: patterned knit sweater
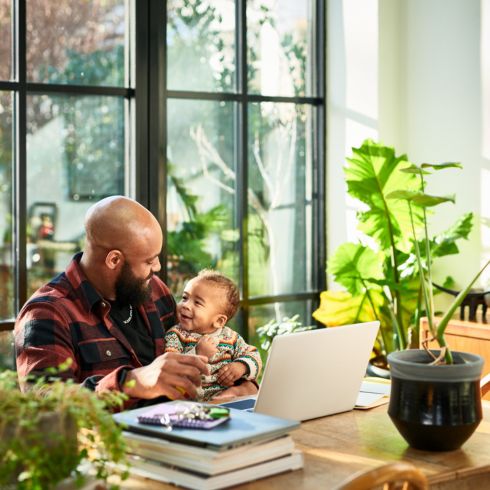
pixel 231 348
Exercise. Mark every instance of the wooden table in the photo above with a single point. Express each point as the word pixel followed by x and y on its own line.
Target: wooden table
pixel 338 446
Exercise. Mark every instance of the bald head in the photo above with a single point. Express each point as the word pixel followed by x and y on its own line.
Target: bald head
pixel 118 222
pixel 122 249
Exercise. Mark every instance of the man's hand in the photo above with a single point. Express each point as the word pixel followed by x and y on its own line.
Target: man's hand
pixel 206 346
pixel 174 375
pixel 228 374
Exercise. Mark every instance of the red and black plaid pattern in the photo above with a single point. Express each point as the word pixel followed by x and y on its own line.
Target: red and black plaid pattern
pixel 68 318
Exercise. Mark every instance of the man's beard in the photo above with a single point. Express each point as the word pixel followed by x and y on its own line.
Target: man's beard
pixel 130 289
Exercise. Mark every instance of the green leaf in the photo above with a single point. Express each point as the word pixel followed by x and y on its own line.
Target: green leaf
pixel 445 243
pixel 441 166
pixel 427 201
pixel 419 198
pixel 341 308
pixel 353 264
pixel 372 173
pixel 414 169
pixel 406 195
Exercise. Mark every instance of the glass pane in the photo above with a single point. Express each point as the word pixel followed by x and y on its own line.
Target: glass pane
pixel 6 350
pixel 6 209
pixel 279 199
pixel 260 315
pixel 6 37
pixel 201 222
pixel 76 42
pixel 201 45
pixel 280 47
pixel 75 155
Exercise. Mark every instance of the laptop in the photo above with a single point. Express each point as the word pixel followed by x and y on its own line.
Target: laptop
pixel 314 373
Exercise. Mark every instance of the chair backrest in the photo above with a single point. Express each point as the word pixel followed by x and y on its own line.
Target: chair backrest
pixel 391 476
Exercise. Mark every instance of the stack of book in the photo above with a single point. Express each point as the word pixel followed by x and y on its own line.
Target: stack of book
pixel 246 447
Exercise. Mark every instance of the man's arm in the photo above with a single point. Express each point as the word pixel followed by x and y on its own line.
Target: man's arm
pixel 43 340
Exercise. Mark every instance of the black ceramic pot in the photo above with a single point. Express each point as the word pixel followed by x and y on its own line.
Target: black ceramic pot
pixel 435 408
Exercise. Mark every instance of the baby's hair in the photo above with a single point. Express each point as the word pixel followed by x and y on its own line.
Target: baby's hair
pixel 232 293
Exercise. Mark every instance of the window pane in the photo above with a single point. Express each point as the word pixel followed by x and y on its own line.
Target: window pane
pixel 6 37
pixel 75 154
pixel 201 220
pixel 280 47
pixel 6 209
pixel 279 199
pixel 260 315
pixel 201 45
pixel 76 42
pixel 6 350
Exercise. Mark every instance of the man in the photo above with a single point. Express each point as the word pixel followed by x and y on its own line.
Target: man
pixel 108 313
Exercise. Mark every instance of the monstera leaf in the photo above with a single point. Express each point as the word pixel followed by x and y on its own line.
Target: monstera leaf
pixel 354 265
pixel 372 173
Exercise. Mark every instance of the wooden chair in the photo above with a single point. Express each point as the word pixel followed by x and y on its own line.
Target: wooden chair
pixel 392 476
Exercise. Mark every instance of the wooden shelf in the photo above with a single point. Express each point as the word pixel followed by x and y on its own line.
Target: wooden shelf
pixel 461 335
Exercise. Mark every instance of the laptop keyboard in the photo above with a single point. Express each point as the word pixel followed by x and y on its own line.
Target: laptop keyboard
pixel 247 405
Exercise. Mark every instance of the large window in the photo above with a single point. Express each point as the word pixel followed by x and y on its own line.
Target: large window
pixel 210 113
pixel 64 134
pixel 243 110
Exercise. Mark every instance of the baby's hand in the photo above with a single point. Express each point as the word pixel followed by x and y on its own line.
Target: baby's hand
pixel 228 374
pixel 207 346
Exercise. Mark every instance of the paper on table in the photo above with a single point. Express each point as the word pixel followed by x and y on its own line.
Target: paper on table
pixel 370 400
pixel 375 387
pixel 373 393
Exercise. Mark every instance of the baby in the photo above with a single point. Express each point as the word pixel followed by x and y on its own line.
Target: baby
pixel 209 301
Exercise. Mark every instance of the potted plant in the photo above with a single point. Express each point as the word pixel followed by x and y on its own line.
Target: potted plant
pixel 47 431
pixel 435 400
pixel 380 274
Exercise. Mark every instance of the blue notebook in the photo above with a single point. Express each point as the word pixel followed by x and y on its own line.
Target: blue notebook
pixel 242 428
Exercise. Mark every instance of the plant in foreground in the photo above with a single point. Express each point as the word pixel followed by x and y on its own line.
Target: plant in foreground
pixel 52 427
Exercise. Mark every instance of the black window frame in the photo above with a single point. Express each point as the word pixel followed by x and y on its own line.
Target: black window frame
pixel 147 95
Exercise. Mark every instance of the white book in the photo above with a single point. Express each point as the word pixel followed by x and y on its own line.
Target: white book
pixel 162 472
pixel 204 460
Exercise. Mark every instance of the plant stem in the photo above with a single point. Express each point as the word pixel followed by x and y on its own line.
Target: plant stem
pixel 382 338
pixel 449 313
pixel 396 278
pixel 421 273
pixel 428 255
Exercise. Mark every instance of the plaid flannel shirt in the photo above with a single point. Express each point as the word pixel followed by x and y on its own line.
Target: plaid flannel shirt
pixel 68 318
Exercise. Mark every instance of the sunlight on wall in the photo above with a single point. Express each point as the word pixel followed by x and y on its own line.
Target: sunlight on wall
pixel 485 140
pixel 485 225
pixel 352 54
pixel 361 102
pixel 361 56
pixel 485 76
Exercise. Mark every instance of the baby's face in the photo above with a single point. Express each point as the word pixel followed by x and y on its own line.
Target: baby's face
pixel 201 307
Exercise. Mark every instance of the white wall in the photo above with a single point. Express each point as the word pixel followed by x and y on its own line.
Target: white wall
pixel 424 60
